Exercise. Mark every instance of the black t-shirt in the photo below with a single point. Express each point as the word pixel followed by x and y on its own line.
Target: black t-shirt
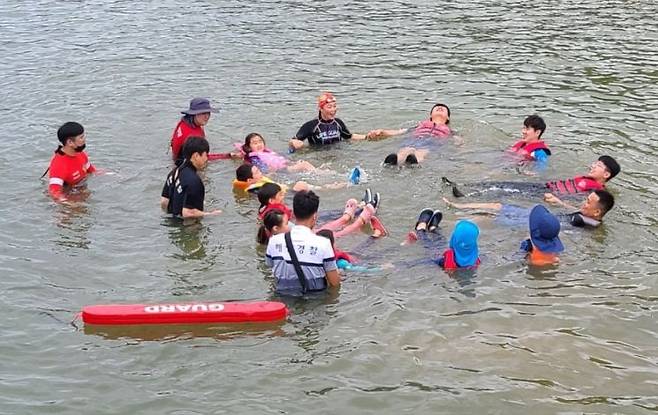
pixel 319 131
pixel 184 189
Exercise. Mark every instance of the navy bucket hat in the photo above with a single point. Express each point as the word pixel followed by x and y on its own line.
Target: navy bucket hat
pixel 199 106
pixel 544 230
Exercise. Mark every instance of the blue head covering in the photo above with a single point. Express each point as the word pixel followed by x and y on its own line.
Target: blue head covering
pixel 544 230
pixel 464 242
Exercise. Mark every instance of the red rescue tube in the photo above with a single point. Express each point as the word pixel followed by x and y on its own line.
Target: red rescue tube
pixel 185 313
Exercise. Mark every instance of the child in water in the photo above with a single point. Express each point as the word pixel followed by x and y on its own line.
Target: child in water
pixel 275 222
pixel 343 259
pixel 544 244
pixel 255 151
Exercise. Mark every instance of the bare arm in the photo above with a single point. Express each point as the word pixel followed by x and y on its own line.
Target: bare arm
pixel 492 206
pixel 196 213
pixel 333 278
pixel 554 200
pixel 164 202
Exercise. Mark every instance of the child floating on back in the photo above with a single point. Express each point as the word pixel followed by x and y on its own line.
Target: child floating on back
pixel 531 147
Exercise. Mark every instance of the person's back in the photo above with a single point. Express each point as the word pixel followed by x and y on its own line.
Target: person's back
pixel 314 253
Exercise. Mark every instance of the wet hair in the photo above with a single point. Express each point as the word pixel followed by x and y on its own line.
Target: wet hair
pixel 266 192
pixel 536 123
pixel 305 204
pixel 273 218
pixel 444 106
pixel 611 165
pixel 606 201
pixel 194 145
pixel 244 172
pixel 326 233
pixel 246 147
pixel 69 130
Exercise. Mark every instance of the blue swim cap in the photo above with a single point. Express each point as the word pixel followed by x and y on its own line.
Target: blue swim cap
pixel 464 242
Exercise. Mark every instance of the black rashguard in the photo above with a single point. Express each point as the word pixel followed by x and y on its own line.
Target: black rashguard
pixel 184 189
pixel 319 131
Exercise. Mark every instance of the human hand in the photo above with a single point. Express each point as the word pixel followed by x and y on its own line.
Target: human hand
pixel 296 144
pixel 552 199
pixel 448 202
pixel 373 134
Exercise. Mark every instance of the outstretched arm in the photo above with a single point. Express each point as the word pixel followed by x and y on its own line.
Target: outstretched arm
pixel 554 200
pixel 491 206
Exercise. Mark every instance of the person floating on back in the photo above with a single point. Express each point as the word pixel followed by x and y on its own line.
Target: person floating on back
pixel 422 137
pixel 531 147
pixel 183 193
pixel 70 164
pixel 600 172
pixel 544 244
pixel 191 125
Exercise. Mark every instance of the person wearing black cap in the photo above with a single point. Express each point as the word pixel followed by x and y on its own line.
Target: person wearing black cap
pixel 191 125
pixel 70 164
pixel 600 172
pixel 183 193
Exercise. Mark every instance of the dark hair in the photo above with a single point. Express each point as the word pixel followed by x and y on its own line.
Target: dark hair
pixel 272 218
pixel 266 192
pixel 611 165
pixel 536 123
pixel 246 147
pixel 326 233
pixel 444 106
pixel 69 130
pixel 305 204
pixel 194 145
pixel 244 172
pixel 606 201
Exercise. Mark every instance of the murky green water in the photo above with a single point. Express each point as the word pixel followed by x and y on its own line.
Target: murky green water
pixel 578 338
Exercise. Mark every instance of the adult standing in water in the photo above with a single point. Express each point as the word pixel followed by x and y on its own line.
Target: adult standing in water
pixel 183 193
pixel 191 125
pixel 326 128
pixel 70 164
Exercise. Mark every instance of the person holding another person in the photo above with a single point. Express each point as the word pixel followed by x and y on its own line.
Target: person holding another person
pixel 183 193
pixel 326 128
pixel 302 261
pixel 191 125
pixel 590 214
pixel 70 164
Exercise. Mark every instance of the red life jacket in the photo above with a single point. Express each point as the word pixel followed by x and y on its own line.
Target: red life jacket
pixel 343 255
pixel 449 262
pixel 271 206
pixel 181 133
pixel 430 128
pixel 575 185
pixel 526 149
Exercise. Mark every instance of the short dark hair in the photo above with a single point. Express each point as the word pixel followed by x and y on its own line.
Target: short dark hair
pixel 266 192
pixel 536 123
pixel 326 233
pixel 305 204
pixel 606 201
pixel 444 106
pixel 611 165
pixel 243 173
pixel 69 130
pixel 194 145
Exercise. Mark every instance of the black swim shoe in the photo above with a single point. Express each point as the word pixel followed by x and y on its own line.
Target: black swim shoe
pixel 367 198
pixel 411 159
pixel 424 217
pixel 434 221
pixel 376 199
pixel 455 191
pixel 391 160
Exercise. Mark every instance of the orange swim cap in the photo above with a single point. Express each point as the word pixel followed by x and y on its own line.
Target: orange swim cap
pixel 325 98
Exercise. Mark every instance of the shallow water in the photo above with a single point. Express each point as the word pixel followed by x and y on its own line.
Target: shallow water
pixel 580 337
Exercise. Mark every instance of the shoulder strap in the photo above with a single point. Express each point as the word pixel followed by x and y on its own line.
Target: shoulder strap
pixel 295 263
